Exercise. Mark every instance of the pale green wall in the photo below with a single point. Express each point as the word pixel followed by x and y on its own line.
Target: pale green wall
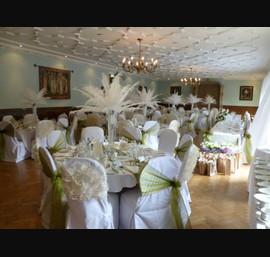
pixel 231 90
pixel 17 72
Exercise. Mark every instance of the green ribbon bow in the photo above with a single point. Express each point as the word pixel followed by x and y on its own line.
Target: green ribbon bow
pixel 180 151
pixel 206 134
pixel 67 129
pixel 151 131
pixel 9 131
pixel 152 181
pixel 58 198
pixel 248 147
pixel 207 120
pixel 59 144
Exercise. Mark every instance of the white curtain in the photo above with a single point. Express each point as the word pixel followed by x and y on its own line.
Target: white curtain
pixel 260 127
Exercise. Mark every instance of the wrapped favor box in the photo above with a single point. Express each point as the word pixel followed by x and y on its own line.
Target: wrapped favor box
pixel 211 168
pixel 202 167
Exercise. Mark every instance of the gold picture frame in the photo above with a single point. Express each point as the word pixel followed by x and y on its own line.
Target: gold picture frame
pixel 246 93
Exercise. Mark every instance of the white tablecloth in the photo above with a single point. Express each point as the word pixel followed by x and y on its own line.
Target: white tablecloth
pixel 262 152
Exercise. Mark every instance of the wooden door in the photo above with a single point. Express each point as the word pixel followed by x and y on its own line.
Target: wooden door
pixel 212 88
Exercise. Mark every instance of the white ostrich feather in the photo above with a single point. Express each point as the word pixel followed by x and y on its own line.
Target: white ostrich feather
pixel 175 99
pixel 193 99
pixel 189 163
pixel 112 98
pixel 31 97
pixel 148 98
pixel 209 100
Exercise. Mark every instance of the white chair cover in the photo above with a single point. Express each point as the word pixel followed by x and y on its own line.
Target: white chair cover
pixel 156 116
pixel 175 125
pixel 186 167
pixel 9 118
pixel 131 133
pixel 53 136
pixel 62 124
pixel 123 123
pixel 168 140
pixel 152 211
pixel 53 202
pixel 93 133
pixel 152 140
pixel 13 149
pixel 29 118
pixel 46 199
pixel 139 117
pixel 90 205
pixel 62 115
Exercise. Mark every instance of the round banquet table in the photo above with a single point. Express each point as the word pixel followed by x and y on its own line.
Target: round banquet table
pixel 264 153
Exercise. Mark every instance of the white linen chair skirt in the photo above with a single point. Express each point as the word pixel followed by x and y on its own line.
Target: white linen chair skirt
pixel 154 210
pixel 93 214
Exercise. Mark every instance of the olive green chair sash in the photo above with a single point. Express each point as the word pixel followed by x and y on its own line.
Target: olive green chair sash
pixel 206 134
pixel 151 131
pixel 152 181
pixel 248 147
pixel 67 129
pixel 59 201
pixel 9 131
pixel 59 144
pixel 180 151
pixel 207 120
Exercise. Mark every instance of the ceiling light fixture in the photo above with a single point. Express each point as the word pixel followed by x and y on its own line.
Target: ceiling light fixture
pixel 127 63
pixel 191 81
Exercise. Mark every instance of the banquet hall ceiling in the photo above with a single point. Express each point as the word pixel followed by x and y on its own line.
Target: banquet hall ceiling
pixel 211 52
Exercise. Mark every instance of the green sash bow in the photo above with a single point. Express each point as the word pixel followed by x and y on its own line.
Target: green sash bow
pixel 207 120
pixel 248 147
pixel 59 201
pixel 206 134
pixel 59 144
pixel 151 131
pixel 9 131
pixel 151 181
pixel 67 129
pixel 181 151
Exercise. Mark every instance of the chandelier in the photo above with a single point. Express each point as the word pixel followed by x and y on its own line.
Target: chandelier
pixel 191 81
pixel 140 65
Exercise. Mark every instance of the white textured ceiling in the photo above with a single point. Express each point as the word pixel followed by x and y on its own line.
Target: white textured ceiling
pixel 211 52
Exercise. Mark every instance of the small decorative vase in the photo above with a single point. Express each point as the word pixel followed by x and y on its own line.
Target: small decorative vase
pixel 112 122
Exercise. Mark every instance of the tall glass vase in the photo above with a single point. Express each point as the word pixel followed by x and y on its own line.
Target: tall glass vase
pixel 144 108
pixel 34 106
pixel 112 122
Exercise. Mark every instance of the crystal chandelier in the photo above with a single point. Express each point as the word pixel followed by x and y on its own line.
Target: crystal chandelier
pixel 191 81
pixel 140 65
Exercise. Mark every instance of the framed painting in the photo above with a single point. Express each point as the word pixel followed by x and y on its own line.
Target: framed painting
pixel 175 89
pixel 246 93
pixel 55 81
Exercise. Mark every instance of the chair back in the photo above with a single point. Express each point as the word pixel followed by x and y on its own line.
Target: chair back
pixel 62 124
pixel 9 118
pixel 175 125
pixel 168 140
pixel 153 209
pixel 93 133
pixel 85 185
pixel 131 133
pixel 29 118
pixel 150 134
pixel 56 141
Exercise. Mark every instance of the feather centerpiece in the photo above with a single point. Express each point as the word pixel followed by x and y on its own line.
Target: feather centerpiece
pixel 175 99
pixel 147 99
pixel 31 97
pixel 193 99
pixel 111 100
pixel 208 100
pixel 113 97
